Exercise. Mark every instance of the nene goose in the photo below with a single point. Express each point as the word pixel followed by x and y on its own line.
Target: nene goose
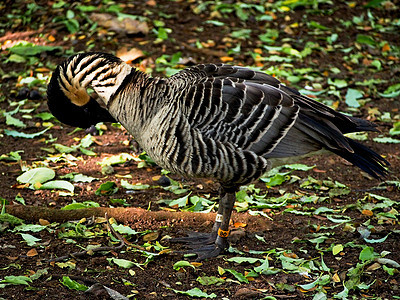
pixel 219 121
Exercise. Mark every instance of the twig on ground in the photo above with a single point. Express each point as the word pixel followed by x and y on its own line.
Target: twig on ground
pixel 104 248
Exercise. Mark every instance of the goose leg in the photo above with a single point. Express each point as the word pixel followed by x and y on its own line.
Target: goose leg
pixel 208 245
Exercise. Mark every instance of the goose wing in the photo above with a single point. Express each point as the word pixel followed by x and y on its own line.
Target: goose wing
pixel 254 111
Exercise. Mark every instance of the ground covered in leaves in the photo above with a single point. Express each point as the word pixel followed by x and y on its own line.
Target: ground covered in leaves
pixel 319 229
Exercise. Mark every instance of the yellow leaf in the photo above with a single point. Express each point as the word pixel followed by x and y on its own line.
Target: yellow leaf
pixel 221 271
pixel 336 277
pixel 337 249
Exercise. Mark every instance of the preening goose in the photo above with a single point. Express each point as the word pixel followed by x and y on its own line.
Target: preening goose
pixel 219 121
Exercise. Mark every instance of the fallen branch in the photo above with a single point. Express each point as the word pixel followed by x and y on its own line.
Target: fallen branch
pixel 133 216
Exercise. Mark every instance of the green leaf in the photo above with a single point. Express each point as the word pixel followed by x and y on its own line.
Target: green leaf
pixel 365 39
pixel 17 280
pixel 339 83
pixel 265 269
pixel 181 264
pixel 367 254
pixel 314 24
pixel 125 184
pixel 29 49
pixel 180 202
pixel 351 97
pixel 340 219
pixel 12 156
pixel 210 280
pixel 123 263
pixel 5 217
pixel 396 129
pixel 81 205
pixel 386 140
pixel 45 116
pixel 64 149
pixel 29 239
pixel 195 292
pixel 15 58
pixel 30 227
pixel 58 185
pixel 10 120
pixel 87 141
pixel 239 260
pixel 72 25
pixel 118 159
pixel 87 151
pixel 107 188
pixel 275 180
pixel 374 241
pixel 36 175
pixel 72 284
pixel 77 177
pixel 215 23
pixel 18 134
pixel 239 276
pixel 337 249
pixel 374 3
pixel 390 271
pixel 338 192
pixel 298 167
pixel 123 229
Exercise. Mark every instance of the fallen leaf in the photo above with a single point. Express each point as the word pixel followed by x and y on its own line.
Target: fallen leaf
pixel 226 58
pixel 336 277
pixel 44 222
pixel 291 255
pixel 32 252
pixel 239 225
pixel 152 236
pixel 367 212
pixel 129 55
pixel 386 48
pixel 373 267
pixel 127 26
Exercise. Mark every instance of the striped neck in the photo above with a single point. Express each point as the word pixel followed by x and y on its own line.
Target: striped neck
pixel 104 73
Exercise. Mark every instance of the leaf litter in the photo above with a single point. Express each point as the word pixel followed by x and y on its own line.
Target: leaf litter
pixel 324 239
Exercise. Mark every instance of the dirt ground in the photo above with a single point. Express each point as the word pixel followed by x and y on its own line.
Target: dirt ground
pixel 284 232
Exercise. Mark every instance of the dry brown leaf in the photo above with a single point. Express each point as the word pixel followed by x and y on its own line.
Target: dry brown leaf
pixel 367 212
pixel 44 222
pixel 32 252
pixel 290 255
pixel 126 25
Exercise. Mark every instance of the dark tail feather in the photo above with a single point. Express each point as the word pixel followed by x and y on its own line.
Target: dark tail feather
pixel 366 159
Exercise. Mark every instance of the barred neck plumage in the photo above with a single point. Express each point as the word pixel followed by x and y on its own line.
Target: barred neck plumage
pixel 104 73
